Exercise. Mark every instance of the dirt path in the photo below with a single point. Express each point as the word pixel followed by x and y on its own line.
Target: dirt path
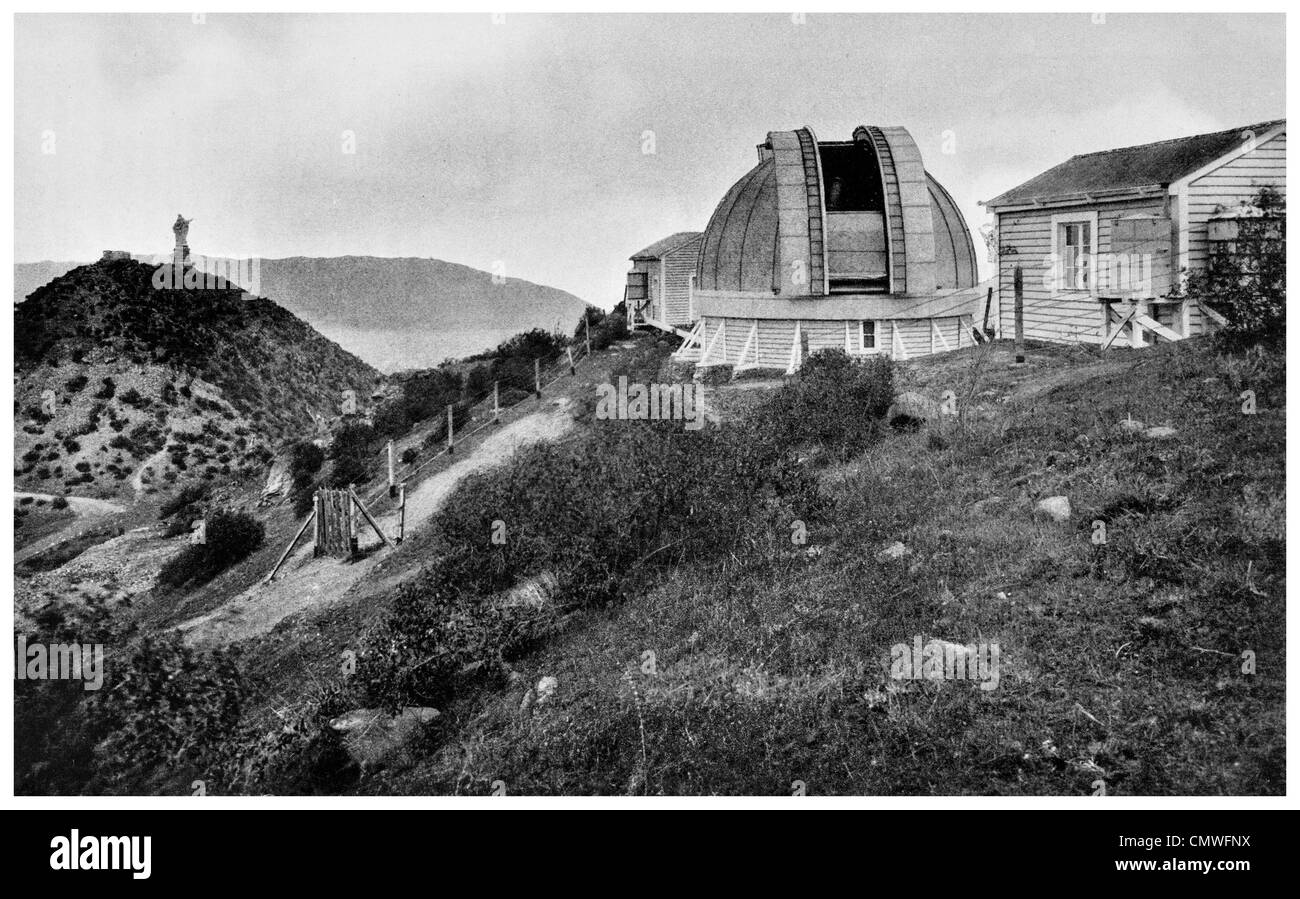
pixel 82 505
pixel 307 583
pixel 137 479
pixel 88 512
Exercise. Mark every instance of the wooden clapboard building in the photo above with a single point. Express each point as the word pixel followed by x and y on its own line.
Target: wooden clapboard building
pixel 662 280
pixel 1104 240
pixel 834 244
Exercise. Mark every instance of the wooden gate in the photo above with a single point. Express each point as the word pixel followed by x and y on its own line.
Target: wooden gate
pixel 336 525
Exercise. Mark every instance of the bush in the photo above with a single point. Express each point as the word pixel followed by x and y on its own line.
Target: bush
pixel 350 453
pixel 107 390
pixel 230 537
pixel 835 402
pixel 304 464
pixel 169 707
pixel 59 503
pixel 606 328
pixel 188 497
pixel 1248 286
pixel 75 384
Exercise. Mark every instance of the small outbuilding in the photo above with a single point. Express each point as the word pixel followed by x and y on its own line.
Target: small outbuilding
pixel 1104 240
pixel 661 284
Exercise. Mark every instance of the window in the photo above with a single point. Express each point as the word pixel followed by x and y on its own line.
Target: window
pixel 866 336
pixel 1074 249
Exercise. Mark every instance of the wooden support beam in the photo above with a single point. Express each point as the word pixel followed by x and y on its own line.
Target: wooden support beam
pixel 936 331
pixel 401 513
pixel 1119 329
pixel 1211 314
pixel 1153 325
pixel 292 543
pixel 392 480
pixel 796 351
pixel 750 341
pixel 358 505
pixel 899 348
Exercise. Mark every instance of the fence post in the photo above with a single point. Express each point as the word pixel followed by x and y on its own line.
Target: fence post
pixel 1018 285
pixel 586 320
pixel 352 522
pixel 537 379
pixel 392 482
pixel 496 402
pixel 318 534
pixel 451 424
pixel 401 514
pixel 572 370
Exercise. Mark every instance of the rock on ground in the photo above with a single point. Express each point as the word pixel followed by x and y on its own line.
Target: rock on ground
pixel 911 408
pixel 893 552
pixel 374 738
pixel 1056 508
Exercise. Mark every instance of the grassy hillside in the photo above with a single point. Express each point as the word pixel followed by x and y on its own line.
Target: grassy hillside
pixel 112 372
pixel 1121 663
pixel 718 611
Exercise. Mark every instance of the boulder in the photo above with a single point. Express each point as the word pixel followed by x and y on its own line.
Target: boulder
pixel 375 738
pixel 910 409
pixel 1056 508
pixel 546 689
pixel 1160 433
pixel 893 552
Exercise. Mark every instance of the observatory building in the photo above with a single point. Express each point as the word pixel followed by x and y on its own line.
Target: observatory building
pixel 846 245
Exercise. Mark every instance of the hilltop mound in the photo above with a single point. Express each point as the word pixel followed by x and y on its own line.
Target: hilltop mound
pixel 115 374
pixel 393 312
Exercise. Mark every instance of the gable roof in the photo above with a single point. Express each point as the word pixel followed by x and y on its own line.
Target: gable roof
pixel 661 248
pixel 1147 165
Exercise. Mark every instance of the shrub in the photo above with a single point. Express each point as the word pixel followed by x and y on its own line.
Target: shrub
pixel 188 497
pixel 75 384
pixel 230 537
pixel 304 464
pixel 350 453
pixel 835 402
pixel 59 503
pixel 107 390
pixel 167 707
pixel 1248 285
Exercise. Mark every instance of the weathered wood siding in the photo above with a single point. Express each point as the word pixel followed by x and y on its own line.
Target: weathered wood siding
pixel 1067 316
pixel 678 269
pixel 1229 185
pixel 776 338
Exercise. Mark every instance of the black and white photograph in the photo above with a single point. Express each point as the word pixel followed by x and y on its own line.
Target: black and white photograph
pixel 722 409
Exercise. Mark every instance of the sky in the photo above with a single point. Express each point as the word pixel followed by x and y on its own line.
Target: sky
pixel 551 148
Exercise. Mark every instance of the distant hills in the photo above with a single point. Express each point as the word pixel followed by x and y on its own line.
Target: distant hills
pixel 392 312
pixel 120 385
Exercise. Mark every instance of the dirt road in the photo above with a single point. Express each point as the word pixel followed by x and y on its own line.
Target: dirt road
pixel 306 582
pixel 88 512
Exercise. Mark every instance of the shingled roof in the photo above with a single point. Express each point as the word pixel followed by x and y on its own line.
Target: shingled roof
pixel 1147 165
pixel 657 249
